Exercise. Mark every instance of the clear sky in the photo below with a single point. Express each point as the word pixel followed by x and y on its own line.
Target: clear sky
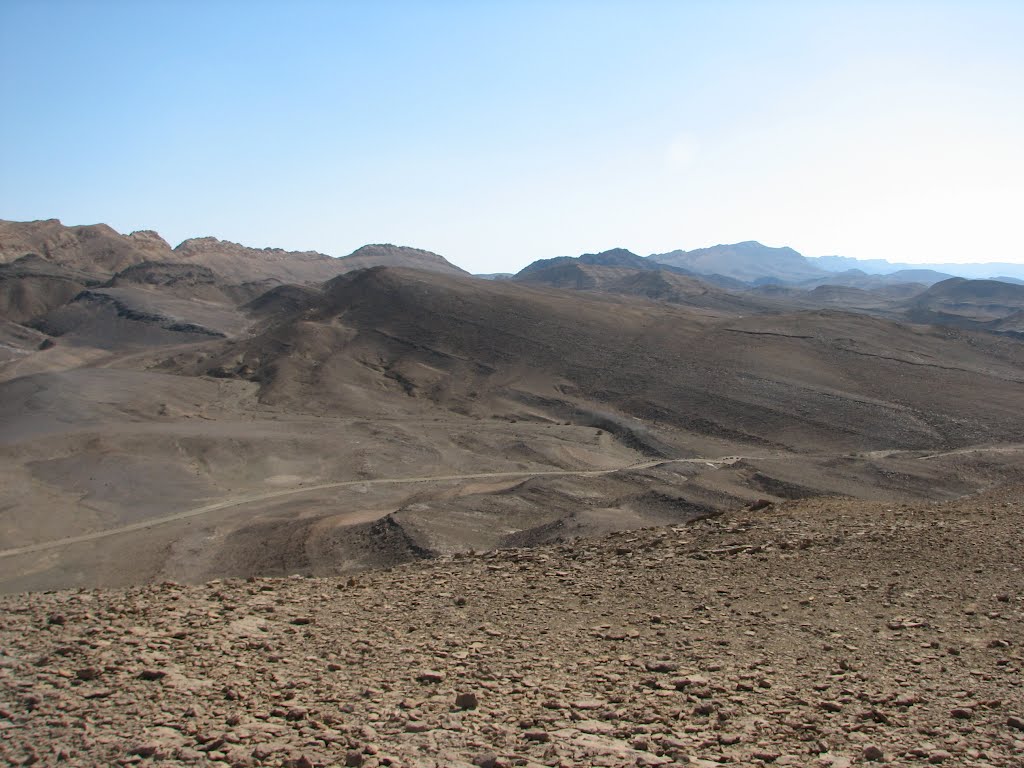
pixel 496 132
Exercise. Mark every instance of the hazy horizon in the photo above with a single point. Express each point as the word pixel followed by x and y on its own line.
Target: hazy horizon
pixel 497 135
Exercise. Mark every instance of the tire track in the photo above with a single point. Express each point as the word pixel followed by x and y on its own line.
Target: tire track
pixel 257 497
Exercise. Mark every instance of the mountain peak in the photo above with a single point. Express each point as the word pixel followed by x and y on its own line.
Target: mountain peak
pixel 612 253
pixel 388 254
pixel 616 257
pixel 749 261
pixel 149 237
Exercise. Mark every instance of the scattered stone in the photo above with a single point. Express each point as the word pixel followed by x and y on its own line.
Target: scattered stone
pixel 218 675
pixel 149 749
pixel 873 753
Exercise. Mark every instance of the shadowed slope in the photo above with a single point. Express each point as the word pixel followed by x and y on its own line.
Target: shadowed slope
pixel 807 379
pixel 977 300
pixel 648 282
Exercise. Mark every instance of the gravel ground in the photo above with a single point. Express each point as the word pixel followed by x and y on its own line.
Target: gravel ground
pixel 821 633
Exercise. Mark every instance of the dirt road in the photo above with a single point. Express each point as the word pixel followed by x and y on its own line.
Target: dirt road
pixel 235 501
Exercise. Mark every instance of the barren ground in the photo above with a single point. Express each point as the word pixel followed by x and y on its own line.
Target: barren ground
pixel 414 518
pixel 819 632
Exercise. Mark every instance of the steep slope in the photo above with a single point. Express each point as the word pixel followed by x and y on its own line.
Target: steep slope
pixel 125 318
pixel 186 281
pixel 18 341
pixel 30 286
pixel 141 292
pixel 96 249
pixel 807 379
pixel 282 301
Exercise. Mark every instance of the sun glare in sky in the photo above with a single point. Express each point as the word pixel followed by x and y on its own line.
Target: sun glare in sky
pixel 500 133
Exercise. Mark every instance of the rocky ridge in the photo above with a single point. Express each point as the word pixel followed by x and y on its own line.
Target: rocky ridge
pixel 822 632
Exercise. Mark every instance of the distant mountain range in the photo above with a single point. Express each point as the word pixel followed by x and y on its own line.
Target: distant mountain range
pixel 751 264
pixel 750 277
pixel 749 261
pixel 99 251
pixel 758 264
pixel 989 270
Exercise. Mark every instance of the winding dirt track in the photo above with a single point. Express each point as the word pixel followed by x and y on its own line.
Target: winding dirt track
pixel 250 498
pixel 256 497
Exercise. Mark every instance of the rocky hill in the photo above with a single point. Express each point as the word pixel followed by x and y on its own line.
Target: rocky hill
pixel 387 255
pixel 648 282
pixel 98 251
pixel 464 344
pixel 95 249
pixel 151 290
pixel 748 261
pixel 814 633
pixel 974 301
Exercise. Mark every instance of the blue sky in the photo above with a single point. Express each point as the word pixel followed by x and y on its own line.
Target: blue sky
pixel 496 133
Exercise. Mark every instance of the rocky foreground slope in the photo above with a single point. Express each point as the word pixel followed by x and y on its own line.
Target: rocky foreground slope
pixel 822 633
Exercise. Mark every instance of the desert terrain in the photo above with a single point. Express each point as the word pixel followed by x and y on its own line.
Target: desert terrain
pixel 821 632
pixel 310 501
